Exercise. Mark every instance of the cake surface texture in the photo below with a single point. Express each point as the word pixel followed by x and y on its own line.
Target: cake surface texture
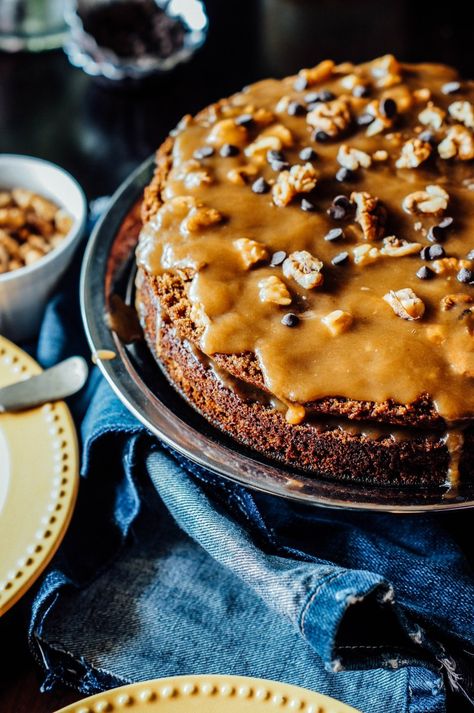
pixel 306 269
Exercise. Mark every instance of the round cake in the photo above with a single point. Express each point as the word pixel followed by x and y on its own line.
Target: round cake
pixel 306 270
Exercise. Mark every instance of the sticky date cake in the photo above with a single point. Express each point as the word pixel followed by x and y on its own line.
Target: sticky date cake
pixel 306 272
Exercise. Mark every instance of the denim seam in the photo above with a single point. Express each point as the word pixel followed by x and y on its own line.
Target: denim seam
pixel 312 597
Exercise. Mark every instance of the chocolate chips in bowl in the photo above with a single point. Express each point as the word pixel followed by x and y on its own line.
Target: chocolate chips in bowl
pixel 126 41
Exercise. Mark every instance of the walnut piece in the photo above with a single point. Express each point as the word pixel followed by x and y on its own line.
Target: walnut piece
pixel 397 247
pixel 463 111
pixel 200 217
pixel 299 179
pixel 414 152
pixel 365 254
pixel 433 200
pixel 273 138
pixel 459 298
pixel 251 252
pixel 448 265
pixel 353 158
pixel 272 289
pixel 458 143
pixel 370 214
pixel 337 321
pixel 315 75
pixel 380 121
pixel 386 70
pixel 227 131
pixel 304 268
pixel 331 117
pixel 405 303
pixel 432 117
pixel 240 174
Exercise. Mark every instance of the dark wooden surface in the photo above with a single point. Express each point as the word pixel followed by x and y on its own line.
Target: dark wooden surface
pixel 51 110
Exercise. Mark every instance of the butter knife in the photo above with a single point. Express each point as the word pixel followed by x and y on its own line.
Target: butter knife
pixel 58 382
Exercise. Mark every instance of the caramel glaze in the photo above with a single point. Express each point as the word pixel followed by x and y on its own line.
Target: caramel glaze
pixel 381 355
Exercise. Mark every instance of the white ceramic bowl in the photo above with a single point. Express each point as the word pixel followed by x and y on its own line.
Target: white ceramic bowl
pixel 25 292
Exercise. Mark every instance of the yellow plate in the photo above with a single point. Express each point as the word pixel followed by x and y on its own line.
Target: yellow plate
pixel 208 694
pixel 38 481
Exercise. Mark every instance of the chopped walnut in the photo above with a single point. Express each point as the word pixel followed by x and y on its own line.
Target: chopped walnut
pixel 446 265
pixel 422 95
pixel 460 298
pixel 12 218
pixel 315 75
pixel 304 268
pixel 227 131
pixel 283 104
pixel 380 121
pixel 251 252
pixel 414 152
pixel 200 217
pixel 240 174
pixel 273 138
pixel 272 289
pixel 263 116
pixel 337 321
pixel 350 81
pixel 331 117
pixel 365 254
pixel 380 155
pixel 405 303
pixel 299 179
pixel 176 207
pixel 458 143
pixel 397 247
pixel 370 214
pixel 353 158
pixel 433 200
pixel 463 111
pixel 280 132
pixel 432 117
pixel 387 71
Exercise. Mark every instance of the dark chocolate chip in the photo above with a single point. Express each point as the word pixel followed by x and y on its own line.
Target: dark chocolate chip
pixel 446 222
pixel 307 154
pixel 334 234
pixel 280 165
pixel 307 206
pixel 425 273
pixel 365 119
pixel 296 109
pixel 260 186
pixel 324 95
pixel 470 255
pixel 336 212
pixel 436 234
pixel 345 174
pixel 290 320
pixel 388 107
pixel 321 136
pixel 274 155
pixel 340 259
pixel 432 252
pixel 361 90
pixel 244 120
pixel 203 152
pixel 343 201
pixel 229 150
pixel 465 275
pixel 277 258
pixel 451 87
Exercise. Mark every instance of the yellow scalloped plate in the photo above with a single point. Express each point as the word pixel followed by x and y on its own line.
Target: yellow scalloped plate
pixel 38 481
pixel 208 694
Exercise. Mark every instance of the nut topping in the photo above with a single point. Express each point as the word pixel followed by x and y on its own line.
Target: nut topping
pixel 272 289
pixel 458 143
pixel 250 251
pixel 227 131
pixel 433 200
pixel 432 117
pixel 337 321
pixel 463 112
pixel 414 152
pixel 370 215
pixel 353 159
pixel 314 75
pixel 405 303
pixel 299 179
pixel 396 247
pixel 331 118
pixel 304 268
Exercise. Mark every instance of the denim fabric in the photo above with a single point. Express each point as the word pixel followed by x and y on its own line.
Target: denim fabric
pixel 167 569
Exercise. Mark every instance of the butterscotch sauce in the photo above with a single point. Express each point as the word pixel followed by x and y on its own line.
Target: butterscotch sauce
pixel 360 333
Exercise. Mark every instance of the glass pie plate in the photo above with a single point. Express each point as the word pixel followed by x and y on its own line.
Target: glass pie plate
pixel 108 273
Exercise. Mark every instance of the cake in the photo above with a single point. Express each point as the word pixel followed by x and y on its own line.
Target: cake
pixel 306 270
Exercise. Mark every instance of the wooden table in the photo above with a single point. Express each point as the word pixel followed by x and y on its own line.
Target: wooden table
pixel 51 110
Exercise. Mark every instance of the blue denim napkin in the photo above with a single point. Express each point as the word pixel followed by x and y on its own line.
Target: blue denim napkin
pixel 167 569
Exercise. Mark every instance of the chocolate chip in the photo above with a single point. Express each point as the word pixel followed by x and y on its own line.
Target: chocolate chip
pixel 203 152
pixel 307 206
pixel 451 87
pixel 425 273
pixel 345 174
pixel 319 97
pixel 274 155
pixel 334 234
pixel 307 154
pixel 427 136
pixel 388 107
pixel 290 320
pixel 470 255
pixel 280 165
pixel 340 259
pixel 361 90
pixel 321 136
pixel 432 252
pixel 436 234
pixel 296 109
pixel 244 120
pixel 300 84
pixel 365 119
pixel 277 258
pixel 465 275
pixel 446 222
pixel 229 150
pixel 260 186
pixel 343 201
pixel 336 212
